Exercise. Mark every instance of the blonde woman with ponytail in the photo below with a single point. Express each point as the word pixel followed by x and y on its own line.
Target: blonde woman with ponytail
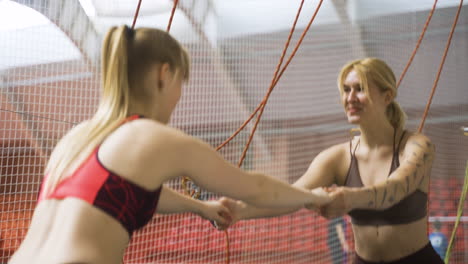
pixel 380 178
pixel 104 179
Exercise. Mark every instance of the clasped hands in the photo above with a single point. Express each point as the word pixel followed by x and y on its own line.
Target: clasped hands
pixel 331 202
pixel 338 203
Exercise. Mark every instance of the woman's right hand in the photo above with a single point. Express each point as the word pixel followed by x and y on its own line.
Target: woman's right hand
pixel 339 204
pixel 217 212
pixel 235 208
pixel 322 198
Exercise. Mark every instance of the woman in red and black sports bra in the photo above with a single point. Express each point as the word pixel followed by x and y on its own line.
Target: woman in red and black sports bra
pixel 104 179
pixel 381 176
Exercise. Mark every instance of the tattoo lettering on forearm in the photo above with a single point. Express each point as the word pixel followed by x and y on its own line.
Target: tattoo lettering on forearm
pixel 420 182
pixel 413 163
pixel 384 196
pixel 370 203
pixel 394 193
pixel 402 187
pixel 426 157
pixel 407 184
pixel 417 144
pixel 375 196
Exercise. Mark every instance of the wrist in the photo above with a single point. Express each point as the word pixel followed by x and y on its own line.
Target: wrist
pixel 199 207
pixel 351 198
pixel 244 211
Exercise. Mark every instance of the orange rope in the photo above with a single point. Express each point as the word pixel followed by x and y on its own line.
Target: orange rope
pixel 440 67
pixel 275 81
pixel 426 110
pixel 447 46
pixel 172 15
pixel 417 44
pixel 136 14
pixel 260 105
pixel 276 77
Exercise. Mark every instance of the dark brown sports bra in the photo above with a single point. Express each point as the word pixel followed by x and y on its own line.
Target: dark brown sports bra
pixel 410 209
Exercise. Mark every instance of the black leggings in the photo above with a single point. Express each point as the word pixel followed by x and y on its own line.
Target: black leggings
pixel 426 255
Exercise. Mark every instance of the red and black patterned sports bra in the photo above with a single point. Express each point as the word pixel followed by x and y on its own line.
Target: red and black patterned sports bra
pixel 411 208
pixel 130 204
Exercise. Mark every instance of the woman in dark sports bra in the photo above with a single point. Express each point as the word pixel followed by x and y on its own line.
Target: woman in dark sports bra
pixel 381 177
pixel 104 179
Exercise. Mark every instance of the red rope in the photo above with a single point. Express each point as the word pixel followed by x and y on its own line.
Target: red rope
pixel 275 81
pixel 447 46
pixel 440 68
pixel 136 14
pixel 417 44
pixel 274 77
pixel 172 15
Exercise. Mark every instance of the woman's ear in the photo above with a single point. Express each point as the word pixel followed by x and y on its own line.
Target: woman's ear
pixel 388 97
pixel 164 75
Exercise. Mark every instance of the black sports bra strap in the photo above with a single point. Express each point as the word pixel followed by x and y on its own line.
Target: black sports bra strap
pixel 354 151
pixel 396 153
pixel 401 139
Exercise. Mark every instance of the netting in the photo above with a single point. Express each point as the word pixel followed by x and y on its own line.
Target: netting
pixel 49 80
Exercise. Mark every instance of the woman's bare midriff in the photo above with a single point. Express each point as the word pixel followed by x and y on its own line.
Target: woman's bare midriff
pixel 390 242
pixel 71 231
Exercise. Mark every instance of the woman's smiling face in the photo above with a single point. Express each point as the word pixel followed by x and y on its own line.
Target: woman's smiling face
pixel 357 102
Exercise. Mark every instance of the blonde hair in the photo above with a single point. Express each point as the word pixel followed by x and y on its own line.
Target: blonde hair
pixel 382 75
pixel 127 56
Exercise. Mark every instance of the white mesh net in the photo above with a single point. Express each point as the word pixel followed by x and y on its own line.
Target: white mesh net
pixel 49 80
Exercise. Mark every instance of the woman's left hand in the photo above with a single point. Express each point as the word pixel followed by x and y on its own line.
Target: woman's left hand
pixel 338 206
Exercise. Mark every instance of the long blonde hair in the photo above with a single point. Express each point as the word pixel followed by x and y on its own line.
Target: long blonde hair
pixel 382 75
pixel 127 56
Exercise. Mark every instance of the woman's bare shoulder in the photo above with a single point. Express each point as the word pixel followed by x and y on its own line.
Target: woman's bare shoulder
pixel 145 138
pixel 338 150
pixel 333 156
pixel 414 138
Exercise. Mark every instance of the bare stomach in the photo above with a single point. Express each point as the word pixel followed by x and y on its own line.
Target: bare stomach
pixel 71 231
pixel 390 242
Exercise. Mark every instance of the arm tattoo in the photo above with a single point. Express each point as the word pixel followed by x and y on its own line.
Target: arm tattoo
pixel 394 193
pixel 370 203
pixel 417 144
pixel 426 157
pixel 375 196
pixel 420 182
pixel 407 184
pixel 384 196
pixel 402 188
pixel 414 164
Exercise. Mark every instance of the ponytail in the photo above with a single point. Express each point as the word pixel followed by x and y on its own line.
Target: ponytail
pixel 396 115
pixel 127 55
pixel 112 110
